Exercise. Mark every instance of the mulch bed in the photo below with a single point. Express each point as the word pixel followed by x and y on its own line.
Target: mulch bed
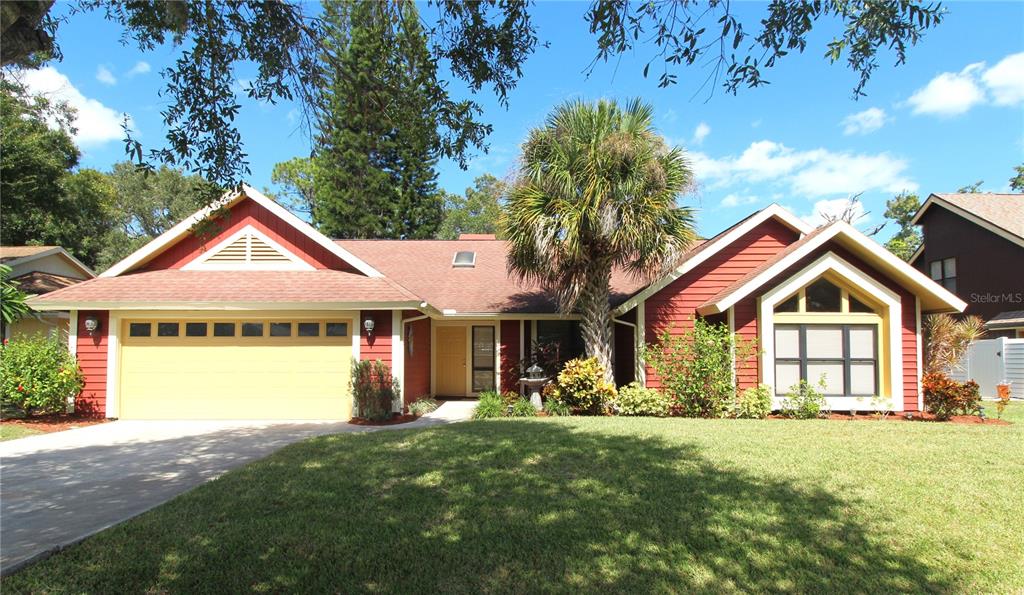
pixel 918 417
pixel 56 422
pixel 394 420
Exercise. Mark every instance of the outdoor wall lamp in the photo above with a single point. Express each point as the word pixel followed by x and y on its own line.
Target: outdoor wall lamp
pixel 368 324
pixel 92 324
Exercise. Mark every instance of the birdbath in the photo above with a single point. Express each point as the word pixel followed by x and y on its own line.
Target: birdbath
pixel 533 381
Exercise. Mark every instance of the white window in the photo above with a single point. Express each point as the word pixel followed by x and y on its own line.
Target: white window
pixel 845 356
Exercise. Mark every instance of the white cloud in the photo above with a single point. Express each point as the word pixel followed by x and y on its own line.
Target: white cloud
pixel 104 75
pixel 814 173
pixel 700 133
pixel 864 122
pixel 950 93
pixel 954 93
pixel 824 210
pixel 96 123
pixel 1005 80
pixel 735 200
pixel 141 67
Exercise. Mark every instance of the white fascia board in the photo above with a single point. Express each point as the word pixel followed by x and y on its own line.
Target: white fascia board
pixel 311 232
pixel 840 228
pixel 771 211
pixel 165 239
pixel 157 244
pixel 831 262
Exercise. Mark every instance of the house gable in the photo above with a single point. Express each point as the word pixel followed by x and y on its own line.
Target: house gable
pixel 248 249
pixel 181 245
pixel 673 307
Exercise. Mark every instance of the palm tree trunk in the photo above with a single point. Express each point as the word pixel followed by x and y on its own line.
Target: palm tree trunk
pixel 596 323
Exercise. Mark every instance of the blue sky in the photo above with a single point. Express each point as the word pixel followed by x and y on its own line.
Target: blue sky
pixel 952 115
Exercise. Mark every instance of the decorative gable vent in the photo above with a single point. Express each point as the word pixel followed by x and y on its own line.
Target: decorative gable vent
pixel 248 249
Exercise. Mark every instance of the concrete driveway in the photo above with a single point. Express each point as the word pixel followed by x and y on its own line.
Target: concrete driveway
pixel 57 489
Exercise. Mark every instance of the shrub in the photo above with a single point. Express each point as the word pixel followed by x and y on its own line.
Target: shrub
pixel 510 397
pixel 374 389
pixel 753 403
pixel 489 405
pixel 581 386
pixel 947 340
pixel 635 399
pixel 946 397
pixel 696 367
pixel 38 375
pixel 422 406
pixel 804 401
pixel 523 408
pixel 556 408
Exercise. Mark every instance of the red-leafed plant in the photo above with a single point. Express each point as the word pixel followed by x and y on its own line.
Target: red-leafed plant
pixel 946 397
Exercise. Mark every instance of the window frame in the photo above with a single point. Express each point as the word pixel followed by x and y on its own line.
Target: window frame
pixel 945 279
pixel 846 361
pixel 490 367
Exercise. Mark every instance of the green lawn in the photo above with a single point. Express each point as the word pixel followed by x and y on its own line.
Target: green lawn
pixel 569 504
pixel 13 431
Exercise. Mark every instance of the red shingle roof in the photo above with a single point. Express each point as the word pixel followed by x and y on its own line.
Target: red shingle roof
pixel 424 267
pixel 175 285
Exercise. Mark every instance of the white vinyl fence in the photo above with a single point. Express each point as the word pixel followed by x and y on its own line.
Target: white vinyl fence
pixel 991 362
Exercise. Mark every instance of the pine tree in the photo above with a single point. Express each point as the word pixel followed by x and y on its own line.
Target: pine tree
pixel 377 142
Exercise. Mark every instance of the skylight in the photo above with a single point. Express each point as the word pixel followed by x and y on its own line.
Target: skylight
pixel 464 259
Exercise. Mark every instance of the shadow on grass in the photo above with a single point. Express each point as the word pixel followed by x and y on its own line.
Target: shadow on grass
pixel 493 506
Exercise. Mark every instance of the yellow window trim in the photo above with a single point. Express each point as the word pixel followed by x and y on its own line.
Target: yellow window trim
pixel 845 291
pixel 238 337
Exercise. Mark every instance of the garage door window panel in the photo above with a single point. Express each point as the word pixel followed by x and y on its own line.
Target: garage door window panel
pixel 280 329
pixel 195 329
pixel 167 329
pixel 252 329
pixel 140 329
pixel 223 329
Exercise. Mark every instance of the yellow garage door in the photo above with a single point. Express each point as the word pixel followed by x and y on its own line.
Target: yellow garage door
pixel 245 368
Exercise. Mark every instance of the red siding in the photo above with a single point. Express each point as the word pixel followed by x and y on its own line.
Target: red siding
pixel 676 304
pixel 378 345
pixel 510 356
pixel 92 359
pixel 249 212
pixel 745 324
pixel 908 316
pixel 417 358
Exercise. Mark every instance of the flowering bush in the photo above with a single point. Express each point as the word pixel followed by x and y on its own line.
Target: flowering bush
pixel 753 403
pixel 635 399
pixel 581 386
pixel 946 397
pixel 696 367
pixel 38 375
pixel 804 401
pixel 374 389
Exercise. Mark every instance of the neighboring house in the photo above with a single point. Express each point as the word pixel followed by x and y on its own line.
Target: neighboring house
pixel 38 270
pixel 263 320
pixel 974 246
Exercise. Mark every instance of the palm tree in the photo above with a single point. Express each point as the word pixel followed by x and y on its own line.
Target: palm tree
pixel 596 189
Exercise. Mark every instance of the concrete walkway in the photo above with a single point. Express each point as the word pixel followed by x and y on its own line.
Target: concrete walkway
pixel 57 489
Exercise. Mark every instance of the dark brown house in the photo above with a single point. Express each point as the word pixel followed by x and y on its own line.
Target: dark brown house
pixel 974 247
